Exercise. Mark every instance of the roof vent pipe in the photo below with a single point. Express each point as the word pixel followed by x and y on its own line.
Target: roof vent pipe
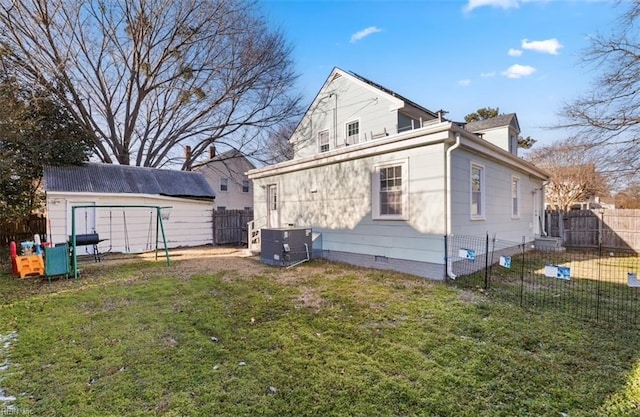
pixel 212 152
pixel 441 114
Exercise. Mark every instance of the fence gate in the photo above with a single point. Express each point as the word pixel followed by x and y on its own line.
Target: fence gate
pixel 230 226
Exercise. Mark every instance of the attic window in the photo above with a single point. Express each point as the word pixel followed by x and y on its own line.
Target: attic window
pixel 323 141
pixel 353 132
pixel 224 184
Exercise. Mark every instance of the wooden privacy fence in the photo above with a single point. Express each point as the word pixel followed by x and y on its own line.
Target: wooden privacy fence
pixel 230 226
pixel 614 229
pixel 21 230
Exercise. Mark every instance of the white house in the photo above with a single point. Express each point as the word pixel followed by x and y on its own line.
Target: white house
pixel 186 198
pixel 381 180
pixel 226 174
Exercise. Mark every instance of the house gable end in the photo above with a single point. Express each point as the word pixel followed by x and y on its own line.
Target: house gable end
pixel 350 109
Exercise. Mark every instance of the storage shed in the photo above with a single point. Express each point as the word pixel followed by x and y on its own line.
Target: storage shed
pixel 185 197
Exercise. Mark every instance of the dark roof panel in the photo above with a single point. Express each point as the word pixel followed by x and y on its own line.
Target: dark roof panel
pixel 106 178
pixel 493 122
pixel 393 93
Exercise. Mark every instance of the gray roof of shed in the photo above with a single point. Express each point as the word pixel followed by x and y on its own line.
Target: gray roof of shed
pixel 493 122
pixel 114 179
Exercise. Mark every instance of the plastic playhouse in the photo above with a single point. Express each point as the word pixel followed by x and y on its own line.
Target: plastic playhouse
pixel 40 259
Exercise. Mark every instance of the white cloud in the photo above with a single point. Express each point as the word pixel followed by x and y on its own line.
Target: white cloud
pixel 519 71
pixel 464 83
pixel 514 52
pixel 505 4
pixel 364 33
pixel 488 74
pixel 549 46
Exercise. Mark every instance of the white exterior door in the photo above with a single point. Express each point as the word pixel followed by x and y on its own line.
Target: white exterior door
pixel 537 213
pixel 273 219
pixel 85 219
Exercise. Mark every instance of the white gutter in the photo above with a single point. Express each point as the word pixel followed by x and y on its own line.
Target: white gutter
pixel 448 216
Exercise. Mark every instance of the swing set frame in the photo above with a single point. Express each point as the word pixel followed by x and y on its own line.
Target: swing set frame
pixel 159 229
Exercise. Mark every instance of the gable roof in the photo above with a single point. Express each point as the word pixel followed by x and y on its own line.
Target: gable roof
pixel 393 93
pixel 499 121
pixel 125 179
pixel 231 154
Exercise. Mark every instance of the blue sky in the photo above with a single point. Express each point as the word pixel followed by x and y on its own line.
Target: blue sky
pixel 522 56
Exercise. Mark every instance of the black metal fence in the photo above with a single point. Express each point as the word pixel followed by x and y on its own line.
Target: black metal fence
pixel 595 284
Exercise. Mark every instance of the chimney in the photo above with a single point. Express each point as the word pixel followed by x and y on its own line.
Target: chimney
pixel 212 152
pixel 187 158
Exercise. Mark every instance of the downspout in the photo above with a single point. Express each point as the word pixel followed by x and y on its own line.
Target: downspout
pixel 335 120
pixel 448 204
pixel 541 208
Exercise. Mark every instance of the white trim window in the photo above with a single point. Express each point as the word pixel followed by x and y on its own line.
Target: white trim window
pixel 224 184
pixel 245 186
pixel 390 197
pixel 352 131
pixel 323 141
pixel 477 190
pixel 515 197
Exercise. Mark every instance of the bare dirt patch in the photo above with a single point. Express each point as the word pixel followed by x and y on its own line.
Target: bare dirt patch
pixel 310 298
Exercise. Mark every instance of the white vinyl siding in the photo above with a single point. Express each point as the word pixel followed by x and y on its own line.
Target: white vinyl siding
pixel 343 211
pixel 515 197
pixel 497 199
pixel 477 191
pixel 323 141
pixel 132 229
pixel 344 100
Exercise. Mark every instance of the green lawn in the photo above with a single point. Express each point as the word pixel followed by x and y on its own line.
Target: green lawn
pixel 232 337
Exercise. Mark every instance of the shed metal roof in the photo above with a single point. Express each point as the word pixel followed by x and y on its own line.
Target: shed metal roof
pixel 114 179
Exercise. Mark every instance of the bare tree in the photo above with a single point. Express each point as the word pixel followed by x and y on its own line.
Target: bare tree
pixel 573 175
pixel 277 147
pixel 628 198
pixel 608 116
pixel 146 78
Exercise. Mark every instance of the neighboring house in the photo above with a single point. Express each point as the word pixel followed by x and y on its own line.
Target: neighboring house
pixel 595 203
pixel 502 131
pixel 226 173
pixel 382 180
pixel 186 196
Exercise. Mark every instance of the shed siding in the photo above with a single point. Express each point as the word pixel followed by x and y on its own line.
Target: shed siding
pixel 354 102
pixel 498 202
pixel 335 200
pixel 189 224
